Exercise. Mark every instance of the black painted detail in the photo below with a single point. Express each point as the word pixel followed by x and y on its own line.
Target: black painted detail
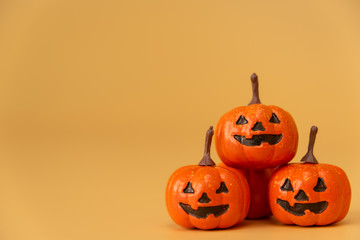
pixel 188 188
pixel 299 208
pixel 257 140
pixel 241 121
pixel 222 188
pixel 287 186
pixel 301 196
pixel 320 186
pixel 204 198
pixel 204 212
pixel 274 119
pixel 258 127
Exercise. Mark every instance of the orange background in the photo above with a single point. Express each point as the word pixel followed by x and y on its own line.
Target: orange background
pixel 100 101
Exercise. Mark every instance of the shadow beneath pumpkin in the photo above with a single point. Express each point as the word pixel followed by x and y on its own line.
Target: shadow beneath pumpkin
pixel 247 223
pixel 256 223
pixel 275 222
pixel 351 219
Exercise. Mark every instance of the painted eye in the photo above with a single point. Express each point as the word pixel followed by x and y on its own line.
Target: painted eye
pixel 188 188
pixel 287 186
pixel 274 119
pixel 241 121
pixel 320 186
pixel 222 188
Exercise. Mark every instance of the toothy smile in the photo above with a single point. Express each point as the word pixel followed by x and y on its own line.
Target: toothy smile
pixel 257 140
pixel 204 212
pixel 299 208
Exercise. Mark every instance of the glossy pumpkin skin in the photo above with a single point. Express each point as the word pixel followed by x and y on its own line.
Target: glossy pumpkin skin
pixel 258 181
pixel 207 179
pixel 305 177
pixel 265 155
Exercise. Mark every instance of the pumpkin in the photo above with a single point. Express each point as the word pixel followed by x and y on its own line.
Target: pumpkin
pixel 256 136
pixel 309 193
pixel 258 181
pixel 206 196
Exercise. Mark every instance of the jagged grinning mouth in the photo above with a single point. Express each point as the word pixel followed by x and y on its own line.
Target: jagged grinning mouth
pixel 299 208
pixel 204 212
pixel 257 140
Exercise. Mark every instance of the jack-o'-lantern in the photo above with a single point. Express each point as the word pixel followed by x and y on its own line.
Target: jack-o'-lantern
pixel 256 136
pixel 309 193
pixel 206 196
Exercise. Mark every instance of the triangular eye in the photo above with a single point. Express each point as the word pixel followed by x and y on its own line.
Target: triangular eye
pixel 241 121
pixel 320 186
pixel 274 119
pixel 222 188
pixel 188 188
pixel 287 186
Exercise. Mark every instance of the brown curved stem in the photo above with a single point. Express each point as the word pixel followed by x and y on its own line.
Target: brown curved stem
pixel 255 88
pixel 206 160
pixel 309 156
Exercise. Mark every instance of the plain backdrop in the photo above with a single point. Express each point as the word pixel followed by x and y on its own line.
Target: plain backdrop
pixel 100 101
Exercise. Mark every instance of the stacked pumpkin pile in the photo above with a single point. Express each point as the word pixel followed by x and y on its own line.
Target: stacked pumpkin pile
pixel 254 180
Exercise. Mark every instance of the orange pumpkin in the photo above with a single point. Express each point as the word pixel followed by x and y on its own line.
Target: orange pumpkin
pixel 258 181
pixel 206 196
pixel 309 193
pixel 256 136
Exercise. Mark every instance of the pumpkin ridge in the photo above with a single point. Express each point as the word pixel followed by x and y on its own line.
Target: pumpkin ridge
pixel 244 189
pixel 218 169
pixel 338 173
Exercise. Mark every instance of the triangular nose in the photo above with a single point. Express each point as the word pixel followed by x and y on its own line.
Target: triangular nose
pixel 258 127
pixel 204 198
pixel 301 196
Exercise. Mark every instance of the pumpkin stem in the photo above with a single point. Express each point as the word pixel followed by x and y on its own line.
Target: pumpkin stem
pixel 309 156
pixel 255 88
pixel 206 160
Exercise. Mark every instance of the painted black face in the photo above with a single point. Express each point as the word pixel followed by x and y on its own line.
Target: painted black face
pixel 204 212
pixel 299 208
pixel 257 140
